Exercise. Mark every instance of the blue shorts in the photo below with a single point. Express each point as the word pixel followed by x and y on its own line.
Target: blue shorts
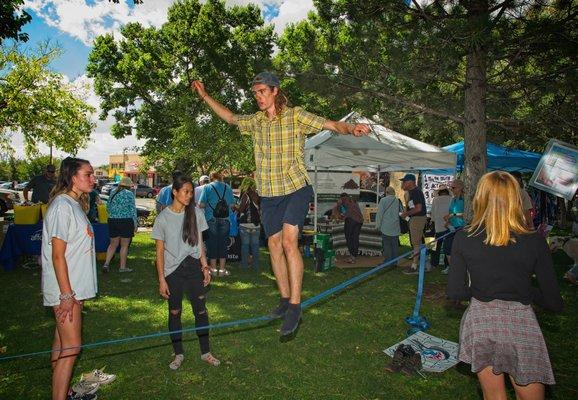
pixel 287 209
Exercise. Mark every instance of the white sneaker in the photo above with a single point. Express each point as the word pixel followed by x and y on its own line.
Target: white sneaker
pixel 98 376
pixel 176 363
pixel 446 270
pixel 83 387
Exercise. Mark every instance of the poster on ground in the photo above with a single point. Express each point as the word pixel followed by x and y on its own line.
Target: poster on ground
pixel 557 171
pixel 437 355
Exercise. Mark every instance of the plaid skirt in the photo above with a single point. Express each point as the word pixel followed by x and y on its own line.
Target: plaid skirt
pixel 506 336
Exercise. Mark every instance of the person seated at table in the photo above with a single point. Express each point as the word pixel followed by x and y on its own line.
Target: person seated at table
pixel 348 210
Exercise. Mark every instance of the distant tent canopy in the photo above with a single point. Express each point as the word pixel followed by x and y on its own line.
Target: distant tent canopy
pixel 500 158
pixel 382 149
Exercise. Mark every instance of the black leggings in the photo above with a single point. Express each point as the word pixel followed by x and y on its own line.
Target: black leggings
pixel 352 232
pixel 188 279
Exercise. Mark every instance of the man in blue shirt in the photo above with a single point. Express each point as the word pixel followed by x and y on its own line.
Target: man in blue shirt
pixel 165 198
pixel 218 220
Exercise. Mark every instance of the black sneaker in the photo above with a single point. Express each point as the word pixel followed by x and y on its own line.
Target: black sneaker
pixel 291 321
pixel 280 310
pixel 78 396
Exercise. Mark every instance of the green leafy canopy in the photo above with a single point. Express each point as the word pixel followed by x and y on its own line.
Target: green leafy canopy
pixel 144 80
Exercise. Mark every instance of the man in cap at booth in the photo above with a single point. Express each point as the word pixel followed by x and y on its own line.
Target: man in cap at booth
pixel 416 211
pixel 278 132
pixel 41 185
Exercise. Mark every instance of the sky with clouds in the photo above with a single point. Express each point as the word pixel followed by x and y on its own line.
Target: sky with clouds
pixel 73 24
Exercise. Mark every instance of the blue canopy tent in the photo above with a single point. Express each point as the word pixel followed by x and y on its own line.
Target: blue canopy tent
pixel 500 158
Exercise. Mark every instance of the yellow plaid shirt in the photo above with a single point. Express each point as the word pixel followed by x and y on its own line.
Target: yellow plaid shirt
pixel 278 146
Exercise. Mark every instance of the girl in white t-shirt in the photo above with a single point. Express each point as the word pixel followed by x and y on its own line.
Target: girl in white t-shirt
pixel 182 266
pixel 68 267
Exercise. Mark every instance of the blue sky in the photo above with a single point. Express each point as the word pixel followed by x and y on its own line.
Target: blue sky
pixel 73 24
pixel 73 61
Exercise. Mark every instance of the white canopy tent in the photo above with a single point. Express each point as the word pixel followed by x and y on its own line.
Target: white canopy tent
pixel 382 150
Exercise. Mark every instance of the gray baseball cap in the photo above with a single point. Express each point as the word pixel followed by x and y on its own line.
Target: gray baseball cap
pixel 266 78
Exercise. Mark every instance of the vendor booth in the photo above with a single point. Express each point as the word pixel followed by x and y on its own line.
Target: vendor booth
pixel 26 239
pixel 383 150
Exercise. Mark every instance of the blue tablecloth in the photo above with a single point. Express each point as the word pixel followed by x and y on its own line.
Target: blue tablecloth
pixel 27 239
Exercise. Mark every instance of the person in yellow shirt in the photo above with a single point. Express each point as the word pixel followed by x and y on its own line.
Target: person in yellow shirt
pixel 278 133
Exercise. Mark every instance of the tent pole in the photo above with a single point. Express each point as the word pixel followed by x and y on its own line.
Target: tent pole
pixel 315 200
pixel 377 186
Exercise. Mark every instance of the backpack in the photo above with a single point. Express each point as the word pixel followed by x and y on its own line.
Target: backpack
pixel 251 214
pixel 221 209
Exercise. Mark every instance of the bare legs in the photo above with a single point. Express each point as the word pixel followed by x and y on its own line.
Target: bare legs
pixel 287 262
pixel 494 387
pixel 66 336
pixel 114 243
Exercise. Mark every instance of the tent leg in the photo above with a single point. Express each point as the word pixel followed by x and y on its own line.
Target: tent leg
pixel 315 200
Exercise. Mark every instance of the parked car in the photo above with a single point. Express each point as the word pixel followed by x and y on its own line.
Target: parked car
pixel 142 212
pixel 8 198
pixel 20 186
pixel 100 183
pixel 144 191
pixel 6 185
pixel 106 189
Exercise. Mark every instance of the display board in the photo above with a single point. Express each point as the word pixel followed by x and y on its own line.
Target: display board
pixel 557 172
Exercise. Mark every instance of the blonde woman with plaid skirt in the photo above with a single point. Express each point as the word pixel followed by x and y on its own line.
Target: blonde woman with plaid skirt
pixel 493 262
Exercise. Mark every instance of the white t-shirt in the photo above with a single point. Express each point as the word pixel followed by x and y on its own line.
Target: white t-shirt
pixel 440 207
pixel 66 220
pixel 198 193
pixel 168 227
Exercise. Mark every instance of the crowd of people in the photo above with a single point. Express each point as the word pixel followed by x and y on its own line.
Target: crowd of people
pixel 491 260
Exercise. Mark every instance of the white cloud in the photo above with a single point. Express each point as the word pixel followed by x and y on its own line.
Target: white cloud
pixel 291 11
pixel 86 21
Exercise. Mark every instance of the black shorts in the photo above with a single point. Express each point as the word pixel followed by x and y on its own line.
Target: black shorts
pixel 288 209
pixel 120 227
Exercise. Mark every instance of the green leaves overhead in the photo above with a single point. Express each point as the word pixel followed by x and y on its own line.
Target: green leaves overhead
pixel 144 80
pixel 40 103
pixel 407 65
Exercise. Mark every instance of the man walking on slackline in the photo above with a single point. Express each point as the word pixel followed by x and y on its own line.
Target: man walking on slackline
pixel 278 133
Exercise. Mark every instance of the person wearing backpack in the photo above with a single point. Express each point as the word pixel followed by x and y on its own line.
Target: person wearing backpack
pixel 217 199
pixel 249 217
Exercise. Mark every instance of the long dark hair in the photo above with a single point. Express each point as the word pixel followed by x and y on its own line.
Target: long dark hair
pixel 190 231
pixel 281 101
pixel 68 168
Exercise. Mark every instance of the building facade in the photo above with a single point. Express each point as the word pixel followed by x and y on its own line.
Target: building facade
pixel 131 165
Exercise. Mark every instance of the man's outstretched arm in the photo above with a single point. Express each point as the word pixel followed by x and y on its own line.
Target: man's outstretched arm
pixel 223 112
pixel 347 129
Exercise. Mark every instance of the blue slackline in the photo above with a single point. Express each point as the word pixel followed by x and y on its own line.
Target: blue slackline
pixel 307 303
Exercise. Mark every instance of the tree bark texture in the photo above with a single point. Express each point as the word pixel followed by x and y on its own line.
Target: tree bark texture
pixel 475 103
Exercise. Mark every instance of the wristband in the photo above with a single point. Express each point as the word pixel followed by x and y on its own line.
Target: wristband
pixel 67 296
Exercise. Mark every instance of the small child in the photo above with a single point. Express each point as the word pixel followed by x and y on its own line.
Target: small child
pixel 182 266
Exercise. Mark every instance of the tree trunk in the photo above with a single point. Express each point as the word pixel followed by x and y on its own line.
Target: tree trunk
pixel 475 102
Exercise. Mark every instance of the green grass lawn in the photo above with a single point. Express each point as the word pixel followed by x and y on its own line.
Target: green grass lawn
pixel 336 355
